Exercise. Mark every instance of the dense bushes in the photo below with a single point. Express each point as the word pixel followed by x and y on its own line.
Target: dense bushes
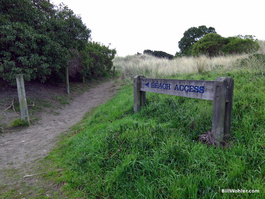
pixel 97 60
pixel 159 54
pixel 23 50
pixel 213 44
pixel 237 45
pixel 41 40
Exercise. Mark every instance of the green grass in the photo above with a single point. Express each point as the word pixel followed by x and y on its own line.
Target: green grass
pixel 19 123
pixel 114 153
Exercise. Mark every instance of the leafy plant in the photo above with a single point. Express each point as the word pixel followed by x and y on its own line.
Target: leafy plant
pixel 210 44
pixel 213 44
pixel 238 45
pixel 36 39
pixel 191 36
pixel 97 60
pixel 19 122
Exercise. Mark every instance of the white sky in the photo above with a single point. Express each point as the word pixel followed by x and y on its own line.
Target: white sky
pixel 132 26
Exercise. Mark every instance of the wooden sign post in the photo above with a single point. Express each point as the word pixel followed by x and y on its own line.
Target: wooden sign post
pixel 24 115
pixel 220 91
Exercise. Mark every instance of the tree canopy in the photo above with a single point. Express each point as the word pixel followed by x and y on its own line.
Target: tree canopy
pixel 38 39
pixel 191 36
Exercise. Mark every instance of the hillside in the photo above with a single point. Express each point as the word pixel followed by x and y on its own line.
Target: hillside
pixel 156 153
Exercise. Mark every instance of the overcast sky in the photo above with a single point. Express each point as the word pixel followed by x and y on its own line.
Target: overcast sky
pixel 132 26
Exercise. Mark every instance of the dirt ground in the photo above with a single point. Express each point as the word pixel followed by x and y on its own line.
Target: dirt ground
pixel 52 112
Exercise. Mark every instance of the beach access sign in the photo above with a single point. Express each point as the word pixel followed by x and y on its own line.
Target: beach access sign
pixel 219 91
pixel 186 88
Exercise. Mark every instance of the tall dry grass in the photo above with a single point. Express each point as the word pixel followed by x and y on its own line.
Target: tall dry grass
pixel 153 67
pixel 262 47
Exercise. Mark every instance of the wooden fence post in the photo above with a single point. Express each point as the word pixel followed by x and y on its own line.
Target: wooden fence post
pixel 24 115
pixel 139 96
pixel 222 108
pixel 114 71
pixel 67 80
pixel 229 84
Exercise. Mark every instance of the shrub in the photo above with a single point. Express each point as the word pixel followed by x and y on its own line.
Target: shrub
pixel 97 60
pixel 23 50
pixel 237 45
pixel 36 39
pixel 211 44
pixel 19 122
pixel 159 54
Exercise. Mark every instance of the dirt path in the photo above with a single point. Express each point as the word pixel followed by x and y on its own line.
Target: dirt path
pixel 35 142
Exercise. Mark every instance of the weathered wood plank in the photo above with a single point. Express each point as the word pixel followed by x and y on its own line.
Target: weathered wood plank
pixel 222 108
pixel 185 88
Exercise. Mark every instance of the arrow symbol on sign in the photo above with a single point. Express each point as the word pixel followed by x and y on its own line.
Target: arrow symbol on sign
pixel 147 84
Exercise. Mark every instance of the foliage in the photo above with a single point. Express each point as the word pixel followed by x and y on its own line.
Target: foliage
pixel 213 45
pixel 19 122
pixel 238 45
pixel 97 60
pixel 37 39
pixel 159 54
pixel 24 50
pixel 67 29
pixel 191 36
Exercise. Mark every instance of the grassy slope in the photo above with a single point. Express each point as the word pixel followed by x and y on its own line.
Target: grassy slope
pixel 156 154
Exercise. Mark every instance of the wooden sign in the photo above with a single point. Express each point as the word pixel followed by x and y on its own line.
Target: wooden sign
pixel 220 91
pixel 186 88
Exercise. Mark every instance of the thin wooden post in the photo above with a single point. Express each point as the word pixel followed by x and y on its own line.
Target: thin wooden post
pixel 24 115
pixel 67 80
pixel 114 71
pixel 222 109
pixel 139 96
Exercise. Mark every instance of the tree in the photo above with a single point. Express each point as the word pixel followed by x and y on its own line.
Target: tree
pixel 191 36
pixel 42 41
pixel 37 39
pixel 23 50
pixel 67 29
pixel 211 45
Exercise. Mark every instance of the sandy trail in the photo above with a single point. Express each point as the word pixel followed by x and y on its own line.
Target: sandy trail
pixel 35 142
